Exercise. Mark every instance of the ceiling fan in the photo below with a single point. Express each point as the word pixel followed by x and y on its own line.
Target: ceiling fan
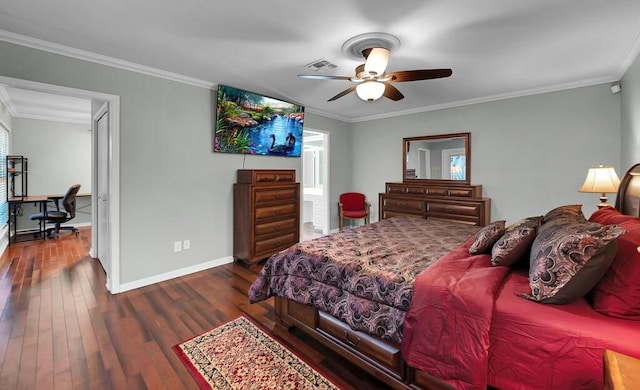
pixel 371 82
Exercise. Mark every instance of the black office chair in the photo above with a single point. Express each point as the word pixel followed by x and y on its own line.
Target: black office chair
pixel 58 216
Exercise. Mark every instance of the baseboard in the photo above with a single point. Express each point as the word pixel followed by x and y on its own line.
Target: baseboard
pixel 174 274
pixel 79 225
pixel 35 229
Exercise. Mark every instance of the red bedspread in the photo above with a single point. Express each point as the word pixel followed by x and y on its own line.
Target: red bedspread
pixel 467 326
pixel 446 330
pixel 537 346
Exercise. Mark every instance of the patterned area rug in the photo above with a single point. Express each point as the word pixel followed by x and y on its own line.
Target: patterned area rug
pixel 238 355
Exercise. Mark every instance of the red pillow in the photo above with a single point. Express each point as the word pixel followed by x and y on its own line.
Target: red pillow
pixel 618 292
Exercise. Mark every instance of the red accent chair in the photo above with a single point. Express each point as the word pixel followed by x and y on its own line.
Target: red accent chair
pixel 353 205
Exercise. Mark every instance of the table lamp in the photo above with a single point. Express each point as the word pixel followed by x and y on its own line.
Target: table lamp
pixel 601 180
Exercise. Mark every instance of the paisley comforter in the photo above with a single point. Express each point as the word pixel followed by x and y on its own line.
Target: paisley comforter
pixel 362 276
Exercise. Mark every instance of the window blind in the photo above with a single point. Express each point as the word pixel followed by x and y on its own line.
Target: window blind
pixel 4 140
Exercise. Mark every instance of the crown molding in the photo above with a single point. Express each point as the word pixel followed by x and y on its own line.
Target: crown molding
pixel 632 54
pixel 492 98
pixel 4 126
pixel 54 48
pixel 328 115
pixel 67 119
pixel 40 114
pixel 67 51
pixel 5 99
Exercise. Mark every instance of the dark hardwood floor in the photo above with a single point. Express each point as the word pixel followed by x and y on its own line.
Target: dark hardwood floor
pixel 61 329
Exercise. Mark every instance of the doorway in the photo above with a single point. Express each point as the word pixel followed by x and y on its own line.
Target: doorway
pixel 315 184
pixel 110 160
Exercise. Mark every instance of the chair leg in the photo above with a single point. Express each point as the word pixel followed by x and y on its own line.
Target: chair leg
pixel 341 223
pixel 56 230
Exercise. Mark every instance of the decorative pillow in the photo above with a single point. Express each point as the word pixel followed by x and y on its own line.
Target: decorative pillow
pixel 571 211
pixel 516 241
pixel 609 215
pixel 486 237
pixel 618 293
pixel 568 258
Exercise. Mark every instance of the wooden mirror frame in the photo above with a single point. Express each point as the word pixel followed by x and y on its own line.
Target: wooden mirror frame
pixel 439 138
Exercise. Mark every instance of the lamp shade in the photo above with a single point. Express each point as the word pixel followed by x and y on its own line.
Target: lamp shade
pixel 377 61
pixel 601 179
pixel 370 90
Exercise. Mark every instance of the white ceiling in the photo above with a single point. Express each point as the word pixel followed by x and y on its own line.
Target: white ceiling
pixel 496 48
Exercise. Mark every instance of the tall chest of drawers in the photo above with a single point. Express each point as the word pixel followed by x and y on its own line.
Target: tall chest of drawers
pixel 266 213
pixel 460 203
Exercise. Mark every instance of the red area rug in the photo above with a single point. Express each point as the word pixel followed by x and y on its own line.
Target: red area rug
pixel 239 355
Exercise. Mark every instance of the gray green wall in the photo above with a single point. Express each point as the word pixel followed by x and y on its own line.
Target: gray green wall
pixel 172 187
pixel 59 156
pixel 630 116
pixel 530 153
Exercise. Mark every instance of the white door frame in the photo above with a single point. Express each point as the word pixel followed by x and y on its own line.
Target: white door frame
pixel 425 169
pixel 114 166
pixel 100 148
pixel 325 182
pixel 325 179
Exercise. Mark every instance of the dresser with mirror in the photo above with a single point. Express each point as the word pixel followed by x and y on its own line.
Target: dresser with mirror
pixel 436 171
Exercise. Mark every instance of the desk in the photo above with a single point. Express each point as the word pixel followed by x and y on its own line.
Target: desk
pixel 41 200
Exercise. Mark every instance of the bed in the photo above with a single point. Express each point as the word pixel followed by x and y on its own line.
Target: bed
pixel 441 317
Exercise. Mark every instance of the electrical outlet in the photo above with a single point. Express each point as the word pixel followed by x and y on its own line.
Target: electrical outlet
pixel 177 246
pixel 186 244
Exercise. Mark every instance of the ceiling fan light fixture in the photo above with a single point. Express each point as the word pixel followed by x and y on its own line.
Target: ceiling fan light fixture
pixel 370 90
pixel 377 61
pixel 370 81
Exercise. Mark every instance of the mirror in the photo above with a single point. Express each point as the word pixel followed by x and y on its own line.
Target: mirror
pixel 444 157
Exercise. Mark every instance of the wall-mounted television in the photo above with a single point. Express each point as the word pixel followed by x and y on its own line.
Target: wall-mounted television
pixel 251 123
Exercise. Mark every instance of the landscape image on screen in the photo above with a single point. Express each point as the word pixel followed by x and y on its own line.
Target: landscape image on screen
pixel 250 123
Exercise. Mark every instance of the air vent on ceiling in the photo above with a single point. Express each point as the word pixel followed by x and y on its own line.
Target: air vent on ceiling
pixel 320 65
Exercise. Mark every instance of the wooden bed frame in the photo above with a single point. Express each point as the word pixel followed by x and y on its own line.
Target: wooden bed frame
pixel 383 360
pixel 456 202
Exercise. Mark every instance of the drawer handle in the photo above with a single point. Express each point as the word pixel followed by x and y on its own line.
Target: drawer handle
pixel 351 343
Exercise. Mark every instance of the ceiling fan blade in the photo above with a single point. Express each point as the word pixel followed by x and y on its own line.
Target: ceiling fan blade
pixel 323 77
pixel 392 93
pixel 341 94
pixel 421 74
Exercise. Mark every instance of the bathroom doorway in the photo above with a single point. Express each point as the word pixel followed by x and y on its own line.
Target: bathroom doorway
pixel 315 184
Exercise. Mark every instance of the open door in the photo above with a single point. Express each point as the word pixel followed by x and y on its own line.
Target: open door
pixel 101 178
pixel 105 189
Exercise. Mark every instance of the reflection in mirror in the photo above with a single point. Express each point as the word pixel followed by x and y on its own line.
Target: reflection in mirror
pixel 437 157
